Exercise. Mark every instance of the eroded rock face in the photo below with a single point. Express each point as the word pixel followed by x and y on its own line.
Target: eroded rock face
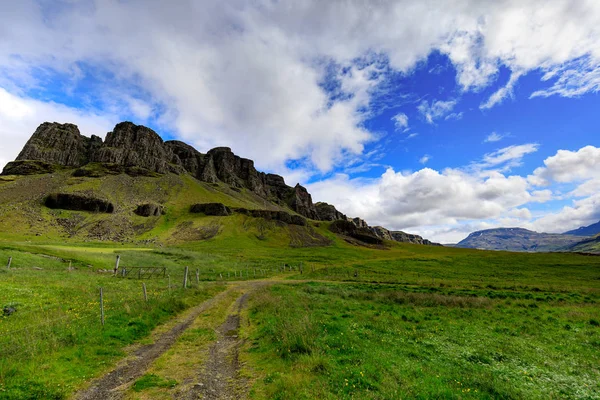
pixel 381 232
pixel 28 167
pixel 348 228
pixel 328 212
pixel 139 151
pixel 274 215
pixel 55 143
pixel 217 209
pixel 132 145
pixel 301 202
pixel 78 202
pixel 149 210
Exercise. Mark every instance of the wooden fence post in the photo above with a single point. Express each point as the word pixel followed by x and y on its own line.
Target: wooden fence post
pixel 9 262
pixel 101 307
pixel 145 293
pixel 197 277
pixel 185 278
pixel 117 264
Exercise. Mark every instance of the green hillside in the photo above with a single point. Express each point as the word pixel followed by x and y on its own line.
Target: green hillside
pixel 275 310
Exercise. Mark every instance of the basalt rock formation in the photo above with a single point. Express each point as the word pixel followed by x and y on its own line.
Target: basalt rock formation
pixel 217 209
pixel 327 212
pixel 139 151
pixel 78 202
pixel 149 210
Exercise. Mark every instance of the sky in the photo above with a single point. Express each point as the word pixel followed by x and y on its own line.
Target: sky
pixel 436 118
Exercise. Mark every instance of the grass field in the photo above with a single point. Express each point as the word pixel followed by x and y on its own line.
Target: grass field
pixel 345 322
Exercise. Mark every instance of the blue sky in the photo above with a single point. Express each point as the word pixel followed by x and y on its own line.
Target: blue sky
pixel 437 121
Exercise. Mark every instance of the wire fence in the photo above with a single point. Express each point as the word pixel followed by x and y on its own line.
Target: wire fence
pixel 33 331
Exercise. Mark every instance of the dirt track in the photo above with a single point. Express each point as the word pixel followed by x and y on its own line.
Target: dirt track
pixel 218 379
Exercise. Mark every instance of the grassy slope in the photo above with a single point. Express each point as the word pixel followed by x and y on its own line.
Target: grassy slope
pixel 403 347
pixel 333 341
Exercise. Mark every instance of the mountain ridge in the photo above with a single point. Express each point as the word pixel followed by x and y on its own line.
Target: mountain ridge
pixel 590 230
pixel 519 239
pixel 137 150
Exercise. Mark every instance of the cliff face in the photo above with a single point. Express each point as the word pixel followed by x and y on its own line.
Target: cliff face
pixel 134 148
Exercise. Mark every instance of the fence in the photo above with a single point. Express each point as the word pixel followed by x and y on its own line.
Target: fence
pixel 32 331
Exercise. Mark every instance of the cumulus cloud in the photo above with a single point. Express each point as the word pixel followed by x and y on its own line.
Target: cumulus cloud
pixel 19 117
pixel 569 166
pixel 430 201
pixel 400 121
pixel 436 109
pixel 447 205
pixel 298 79
pixel 216 74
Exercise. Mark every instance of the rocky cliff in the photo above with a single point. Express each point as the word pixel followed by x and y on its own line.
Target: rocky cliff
pixel 138 150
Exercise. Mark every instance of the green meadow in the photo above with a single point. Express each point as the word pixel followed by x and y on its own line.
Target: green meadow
pixel 336 321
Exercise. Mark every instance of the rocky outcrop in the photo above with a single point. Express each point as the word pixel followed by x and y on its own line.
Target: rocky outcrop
pixel 381 232
pixel 360 223
pixel 139 151
pixel 398 236
pixel 60 144
pixel 404 237
pixel 328 212
pixel 133 145
pixel 274 215
pixel 78 202
pixel 28 167
pixel 217 209
pixel 149 210
pixel 348 228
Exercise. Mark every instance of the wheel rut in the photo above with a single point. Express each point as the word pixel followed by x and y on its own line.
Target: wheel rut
pixel 112 385
pixel 220 378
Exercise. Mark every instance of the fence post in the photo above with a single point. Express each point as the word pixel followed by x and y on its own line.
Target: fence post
pixel 117 264
pixel 145 293
pixel 185 278
pixel 197 277
pixel 169 283
pixel 101 307
pixel 9 262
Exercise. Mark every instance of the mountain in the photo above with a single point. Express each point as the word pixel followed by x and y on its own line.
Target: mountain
pixel 518 239
pixel 589 245
pixel 591 230
pixel 134 186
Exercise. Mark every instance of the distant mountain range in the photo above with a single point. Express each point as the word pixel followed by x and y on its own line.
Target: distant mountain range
pixel 591 230
pixel 519 239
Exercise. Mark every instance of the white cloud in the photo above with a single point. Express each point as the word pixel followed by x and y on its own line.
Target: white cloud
pixel 219 74
pixel 428 200
pixel 19 117
pixel 569 166
pixel 581 213
pixel 494 137
pixel 454 116
pixel 507 157
pixel 502 93
pixel 400 121
pixel 573 79
pixel 425 159
pixel 436 109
